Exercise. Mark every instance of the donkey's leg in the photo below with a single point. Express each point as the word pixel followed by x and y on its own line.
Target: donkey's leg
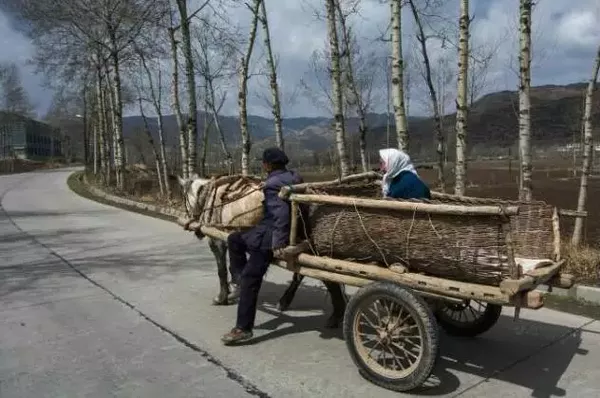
pixel 338 301
pixel 219 250
pixel 288 296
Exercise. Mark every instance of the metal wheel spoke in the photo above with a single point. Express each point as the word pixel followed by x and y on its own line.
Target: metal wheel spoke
pixel 417 345
pixel 374 347
pixel 369 322
pixel 376 313
pixel 476 314
pixel 395 363
pixel 396 360
pixel 404 328
pixel 368 337
pixel 407 352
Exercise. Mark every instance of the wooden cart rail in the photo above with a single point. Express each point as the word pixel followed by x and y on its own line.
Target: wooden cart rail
pixel 356 274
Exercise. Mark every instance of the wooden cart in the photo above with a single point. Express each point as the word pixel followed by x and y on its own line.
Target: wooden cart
pixel 391 323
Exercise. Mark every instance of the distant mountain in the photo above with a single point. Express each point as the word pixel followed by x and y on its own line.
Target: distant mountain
pixel 492 124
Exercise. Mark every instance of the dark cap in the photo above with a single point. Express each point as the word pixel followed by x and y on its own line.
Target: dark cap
pixel 275 155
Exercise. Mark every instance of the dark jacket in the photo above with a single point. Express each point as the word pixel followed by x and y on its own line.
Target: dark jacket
pixel 408 185
pixel 273 231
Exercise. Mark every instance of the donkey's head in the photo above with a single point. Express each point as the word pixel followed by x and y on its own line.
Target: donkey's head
pixel 191 189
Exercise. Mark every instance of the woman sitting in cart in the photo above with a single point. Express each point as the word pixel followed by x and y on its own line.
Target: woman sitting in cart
pixel 401 180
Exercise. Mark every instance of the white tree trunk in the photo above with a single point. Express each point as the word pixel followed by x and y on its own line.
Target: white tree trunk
pixel 161 184
pixel 336 88
pixel 525 188
pixel 157 103
pixel 243 89
pixel 207 127
pixel 272 78
pixel 354 89
pixel 422 39
pixel 398 75
pixel 215 114
pixel 105 145
pixel 588 148
pixel 100 123
pixel 190 77
pixel 114 151
pixel 118 122
pixel 462 100
pixel 176 105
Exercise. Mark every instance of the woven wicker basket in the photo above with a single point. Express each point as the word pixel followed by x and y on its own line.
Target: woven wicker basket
pixel 470 249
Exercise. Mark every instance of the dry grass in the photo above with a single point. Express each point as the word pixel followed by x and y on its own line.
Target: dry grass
pixel 583 262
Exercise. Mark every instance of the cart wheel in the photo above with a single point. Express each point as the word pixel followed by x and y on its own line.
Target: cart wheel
pixel 391 335
pixel 468 319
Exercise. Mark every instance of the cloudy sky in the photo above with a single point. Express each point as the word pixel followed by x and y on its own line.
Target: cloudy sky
pixel 565 37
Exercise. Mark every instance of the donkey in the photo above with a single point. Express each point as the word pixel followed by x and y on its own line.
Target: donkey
pixel 196 192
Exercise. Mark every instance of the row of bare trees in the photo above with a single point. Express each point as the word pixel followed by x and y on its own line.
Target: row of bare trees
pixel 122 48
pixel 119 52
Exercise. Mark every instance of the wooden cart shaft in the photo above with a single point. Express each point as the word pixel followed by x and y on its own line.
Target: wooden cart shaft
pixel 356 274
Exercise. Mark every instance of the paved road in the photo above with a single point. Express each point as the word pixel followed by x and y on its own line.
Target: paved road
pixel 99 302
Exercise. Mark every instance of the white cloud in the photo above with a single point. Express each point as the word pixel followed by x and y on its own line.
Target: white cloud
pixel 580 28
pixel 565 38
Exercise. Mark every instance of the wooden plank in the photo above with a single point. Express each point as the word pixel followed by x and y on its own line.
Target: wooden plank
pixel 347 279
pixel 532 300
pixel 466 210
pixel 572 213
pixel 323 275
pixel 556 234
pixel 285 192
pixel 293 223
pixel 532 279
pixel 445 287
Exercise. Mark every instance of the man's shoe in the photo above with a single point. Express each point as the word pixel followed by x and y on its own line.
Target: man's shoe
pixel 236 335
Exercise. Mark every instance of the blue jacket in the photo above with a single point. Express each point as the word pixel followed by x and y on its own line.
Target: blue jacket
pixel 273 231
pixel 408 185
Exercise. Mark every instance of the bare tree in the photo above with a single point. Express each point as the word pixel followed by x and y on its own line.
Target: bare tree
pixel 244 76
pixel 398 75
pixel 276 106
pixel 14 97
pixel 68 32
pixel 587 149
pixel 336 86
pixel 525 185
pixel 176 103
pixel 192 122
pixel 358 86
pixel 155 89
pixel 480 60
pixel 216 54
pixel 461 100
pixel 422 39
pixel 148 132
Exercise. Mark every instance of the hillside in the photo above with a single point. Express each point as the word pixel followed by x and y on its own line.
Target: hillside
pixel 493 125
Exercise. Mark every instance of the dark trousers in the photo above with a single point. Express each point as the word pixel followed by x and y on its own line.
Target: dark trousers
pixel 247 273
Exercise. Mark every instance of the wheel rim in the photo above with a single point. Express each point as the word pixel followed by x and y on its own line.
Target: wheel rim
pixel 388 337
pixel 464 312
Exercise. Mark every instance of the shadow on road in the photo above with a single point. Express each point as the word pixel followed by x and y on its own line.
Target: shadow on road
pixel 496 354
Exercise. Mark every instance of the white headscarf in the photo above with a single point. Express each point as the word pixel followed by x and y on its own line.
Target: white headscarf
pixel 395 161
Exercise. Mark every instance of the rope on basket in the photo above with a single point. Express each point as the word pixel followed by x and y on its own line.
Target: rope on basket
pixel 314 251
pixel 412 223
pixel 331 239
pixel 362 224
